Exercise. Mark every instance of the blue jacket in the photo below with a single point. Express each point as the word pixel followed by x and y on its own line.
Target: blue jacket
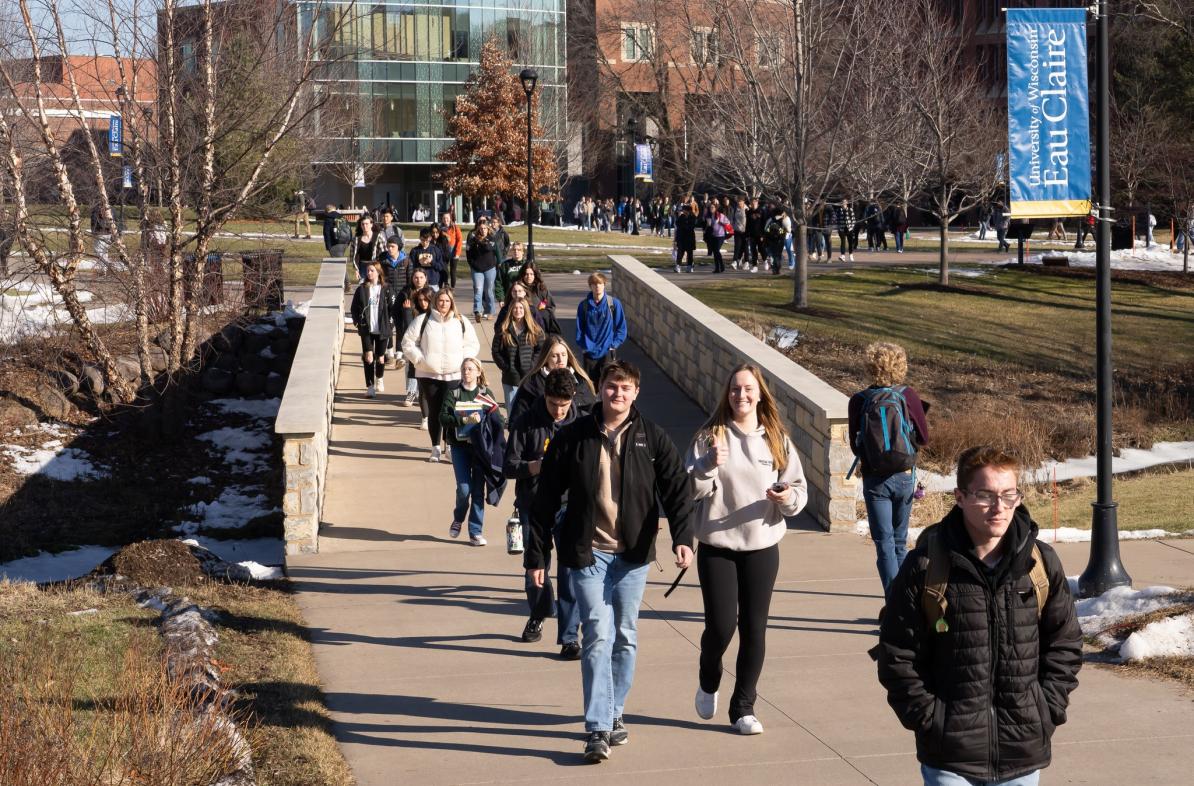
pixel 488 442
pixel 600 327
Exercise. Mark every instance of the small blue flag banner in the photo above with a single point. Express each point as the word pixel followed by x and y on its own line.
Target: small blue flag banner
pixel 643 163
pixel 126 177
pixel 1048 113
pixel 115 136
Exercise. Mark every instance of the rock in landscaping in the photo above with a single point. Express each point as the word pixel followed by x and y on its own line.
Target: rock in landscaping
pixel 158 359
pixel 163 340
pixel 276 333
pixel 13 414
pixel 53 402
pixel 250 384
pixel 280 347
pixel 128 367
pixel 275 385
pixel 254 343
pixel 217 380
pixel 281 365
pixel 227 361
pixel 254 364
pixel 93 380
pixel 294 325
pixel 229 339
pixel 67 381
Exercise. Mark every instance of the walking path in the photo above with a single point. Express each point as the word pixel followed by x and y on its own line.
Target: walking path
pixel 417 641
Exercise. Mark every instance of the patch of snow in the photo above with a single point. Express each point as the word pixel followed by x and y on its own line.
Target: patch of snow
pixel 1173 636
pixel 56 567
pixel 265 551
pixel 53 461
pixel 783 338
pixel 231 510
pixel 153 602
pixel 1050 535
pixel 1128 460
pixel 299 309
pixel 82 612
pixel 1158 258
pixel 261 572
pixel 33 308
pixel 238 444
pixel 202 480
pixel 1095 615
pixel 256 408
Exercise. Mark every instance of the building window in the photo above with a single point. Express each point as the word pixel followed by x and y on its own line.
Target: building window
pixel 638 42
pixel 769 50
pixel 704 46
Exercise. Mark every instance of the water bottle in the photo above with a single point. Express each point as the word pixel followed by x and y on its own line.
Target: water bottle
pixel 514 535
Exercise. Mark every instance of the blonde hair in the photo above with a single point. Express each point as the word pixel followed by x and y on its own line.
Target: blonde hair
pixel 553 341
pixel 533 332
pixel 444 292
pixel 481 381
pixel 886 363
pixel 768 413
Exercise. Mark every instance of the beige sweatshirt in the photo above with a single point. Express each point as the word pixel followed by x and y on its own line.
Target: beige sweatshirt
pixel 734 511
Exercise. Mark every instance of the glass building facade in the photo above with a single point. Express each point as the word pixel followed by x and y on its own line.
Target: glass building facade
pixel 392 71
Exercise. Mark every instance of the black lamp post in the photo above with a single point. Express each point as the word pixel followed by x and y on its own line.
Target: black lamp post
pixel 1104 570
pixel 529 77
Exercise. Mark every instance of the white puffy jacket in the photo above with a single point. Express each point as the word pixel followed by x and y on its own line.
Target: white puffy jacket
pixel 443 347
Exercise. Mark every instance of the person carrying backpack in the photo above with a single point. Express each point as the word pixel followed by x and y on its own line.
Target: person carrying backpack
pixel 887 427
pixel 979 645
pixel 774 235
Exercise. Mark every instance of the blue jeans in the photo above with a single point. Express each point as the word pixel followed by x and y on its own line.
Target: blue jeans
pixel 936 777
pixel 608 594
pixel 470 489
pixel 900 233
pixel 888 506
pixel 483 288
pixel 511 391
pixel 791 252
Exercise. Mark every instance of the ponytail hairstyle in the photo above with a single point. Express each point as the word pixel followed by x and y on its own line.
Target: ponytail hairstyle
pixel 774 431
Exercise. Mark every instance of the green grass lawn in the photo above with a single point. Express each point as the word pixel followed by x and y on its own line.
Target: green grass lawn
pixel 1020 318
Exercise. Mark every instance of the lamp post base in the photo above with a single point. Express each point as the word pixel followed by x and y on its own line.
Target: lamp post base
pixel 1104 570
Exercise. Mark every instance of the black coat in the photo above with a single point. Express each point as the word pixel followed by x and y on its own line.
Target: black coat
pixel 530 390
pixel 385 311
pixel 651 468
pixel 985 696
pixel 529 435
pixel 686 224
pixel 515 360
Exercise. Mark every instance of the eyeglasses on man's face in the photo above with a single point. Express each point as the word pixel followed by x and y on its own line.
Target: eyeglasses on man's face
pixel 987 498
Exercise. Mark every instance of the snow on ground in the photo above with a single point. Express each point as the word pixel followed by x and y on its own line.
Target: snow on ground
pixel 262 572
pixel 52 458
pixel 233 509
pixel 1097 614
pixel 201 480
pixel 239 445
pixel 56 567
pixel 257 408
pixel 1050 535
pixel 1167 637
pixel 1157 258
pixel 31 308
pixel 264 551
pixel 1128 460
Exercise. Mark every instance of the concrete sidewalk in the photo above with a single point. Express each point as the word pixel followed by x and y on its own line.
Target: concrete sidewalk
pixel 417 641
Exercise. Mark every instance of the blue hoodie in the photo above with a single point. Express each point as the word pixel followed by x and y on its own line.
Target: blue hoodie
pixel 600 327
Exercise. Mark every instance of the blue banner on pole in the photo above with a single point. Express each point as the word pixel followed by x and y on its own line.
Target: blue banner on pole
pixel 115 136
pixel 1048 112
pixel 643 163
pixel 126 176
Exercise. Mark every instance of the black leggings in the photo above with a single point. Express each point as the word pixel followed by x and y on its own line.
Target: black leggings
pixel 433 392
pixel 736 588
pixel 682 255
pixel 375 367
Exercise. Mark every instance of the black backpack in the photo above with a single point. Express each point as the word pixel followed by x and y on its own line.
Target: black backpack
pixel 884 441
pixel 343 232
pixel 775 230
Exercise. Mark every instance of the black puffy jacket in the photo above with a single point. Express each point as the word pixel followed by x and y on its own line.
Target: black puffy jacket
pixel 515 360
pixel 985 696
pixel 651 469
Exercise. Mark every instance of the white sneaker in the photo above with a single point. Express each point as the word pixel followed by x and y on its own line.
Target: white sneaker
pixel 851 257
pixel 706 703
pixel 370 392
pixel 410 399
pixel 734 265
pixel 481 541
pixel 380 386
pixel 677 268
pixel 748 724
pixel 435 455
pixel 754 269
pixel 423 424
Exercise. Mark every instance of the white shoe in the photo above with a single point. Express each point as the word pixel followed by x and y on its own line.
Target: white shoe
pixel 677 268
pixel 370 392
pixel 380 386
pixel 748 724
pixel 435 455
pixel 851 257
pixel 733 265
pixel 706 703
pixel 479 540
pixel 754 269
pixel 410 399
pixel 423 424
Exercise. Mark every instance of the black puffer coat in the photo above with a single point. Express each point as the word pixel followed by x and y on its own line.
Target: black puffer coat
pixel 515 360
pixel 985 696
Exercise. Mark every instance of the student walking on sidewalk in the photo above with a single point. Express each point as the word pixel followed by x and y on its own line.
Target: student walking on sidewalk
pixel 600 326
pixel 555 354
pixel 437 343
pixel 464 407
pixel 413 300
pixel 530 437
pixel 516 344
pixel 747 477
pixel 616 467
pixel 372 313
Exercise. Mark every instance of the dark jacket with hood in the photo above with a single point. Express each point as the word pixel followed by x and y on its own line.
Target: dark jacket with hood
pixel 530 390
pixel 985 696
pixel 651 469
pixel 385 311
pixel 530 433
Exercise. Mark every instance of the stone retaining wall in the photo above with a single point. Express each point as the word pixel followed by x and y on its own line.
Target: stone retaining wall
pixel 305 415
pixel 697 348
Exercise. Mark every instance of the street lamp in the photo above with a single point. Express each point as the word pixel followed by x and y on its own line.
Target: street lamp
pixel 1104 569
pixel 529 77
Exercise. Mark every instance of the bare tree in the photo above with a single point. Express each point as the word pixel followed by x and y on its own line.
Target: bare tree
pixel 957 132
